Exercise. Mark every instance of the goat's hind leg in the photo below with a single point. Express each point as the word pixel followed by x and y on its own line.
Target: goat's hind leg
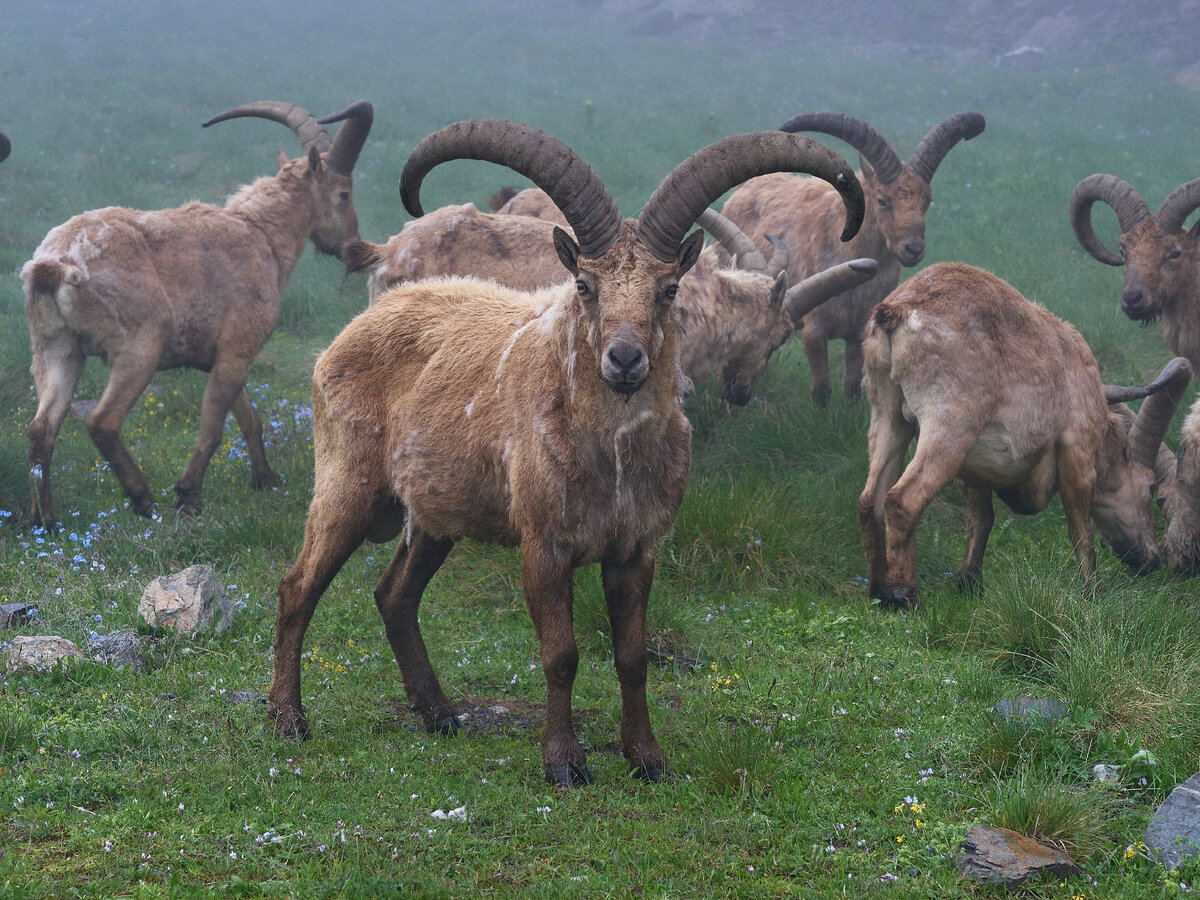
pixel 56 367
pixel 250 424
pixel 225 382
pixel 336 526
pixel 130 376
pixel 980 518
pixel 398 598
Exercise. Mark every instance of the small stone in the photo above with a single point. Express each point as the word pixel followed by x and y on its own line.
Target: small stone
pixel 1030 709
pixel 38 652
pixel 993 855
pixel 121 648
pixel 190 602
pixel 13 615
pixel 1106 774
pixel 1173 834
pixel 239 697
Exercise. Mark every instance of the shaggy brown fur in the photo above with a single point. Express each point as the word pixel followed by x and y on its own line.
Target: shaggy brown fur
pixel 1006 398
pixel 1179 498
pixel 197 286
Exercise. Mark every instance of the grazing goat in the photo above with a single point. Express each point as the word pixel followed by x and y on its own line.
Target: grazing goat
pixel 798 210
pixel 732 319
pixel 1007 398
pixel 198 286
pixel 1161 260
pixel 458 408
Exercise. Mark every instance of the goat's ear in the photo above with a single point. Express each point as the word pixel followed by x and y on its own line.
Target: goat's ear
pixel 359 255
pixel 1194 231
pixel 778 290
pixel 567 249
pixel 282 158
pixel 865 167
pixel 314 160
pixel 689 250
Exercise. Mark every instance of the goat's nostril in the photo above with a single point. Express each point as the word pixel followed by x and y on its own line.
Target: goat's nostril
pixel 624 356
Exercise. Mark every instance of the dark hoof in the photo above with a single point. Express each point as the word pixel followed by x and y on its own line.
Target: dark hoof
pixel 448 726
pixel 143 506
pixel 568 776
pixel 820 397
pixel 290 726
pixel 270 480
pixel 900 600
pixel 650 774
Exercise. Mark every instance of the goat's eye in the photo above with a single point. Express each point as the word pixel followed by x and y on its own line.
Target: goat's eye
pixel 885 203
pixel 344 196
pixel 671 291
pixel 581 286
pixel 1173 253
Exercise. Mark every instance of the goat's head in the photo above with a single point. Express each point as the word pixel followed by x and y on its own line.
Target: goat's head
pixel 1130 467
pixel 327 163
pixel 899 192
pixel 627 273
pixel 1160 258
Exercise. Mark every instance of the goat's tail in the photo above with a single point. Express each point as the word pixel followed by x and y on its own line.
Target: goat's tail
pixel 45 281
pixel 44 277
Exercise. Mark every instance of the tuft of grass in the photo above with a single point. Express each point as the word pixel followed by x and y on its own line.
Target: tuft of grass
pixel 738 758
pixel 1037 805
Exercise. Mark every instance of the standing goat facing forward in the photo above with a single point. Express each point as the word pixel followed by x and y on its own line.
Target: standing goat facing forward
pixel 1005 397
pixel 458 408
pixel 799 211
pixel 199 286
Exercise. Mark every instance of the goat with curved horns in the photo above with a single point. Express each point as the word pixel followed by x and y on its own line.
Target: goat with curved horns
pixel 1007 398
pixel 798 210
pixel 1161 260
pixel 457 408
pixel 199 286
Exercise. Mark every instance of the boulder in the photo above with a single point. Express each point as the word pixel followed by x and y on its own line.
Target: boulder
pixel 38 652
pixel 1173 835
pixel 13 615
pixel 991 855
pixel 122 648
pixel 189 602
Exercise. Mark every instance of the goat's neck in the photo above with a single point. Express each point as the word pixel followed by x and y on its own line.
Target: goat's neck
pixel 1181 322
pixel 280 207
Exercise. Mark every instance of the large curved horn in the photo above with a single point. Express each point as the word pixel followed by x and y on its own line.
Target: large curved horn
pixel 350 137
pixel 810 293
pixel 300 120
pixel 1176 208
pixel 5 147
pixel 1118 194
pixel 708 173
pixel 1153 419
pixel 741 248
pixel 546 161
pixel 858 134
pixel 935 145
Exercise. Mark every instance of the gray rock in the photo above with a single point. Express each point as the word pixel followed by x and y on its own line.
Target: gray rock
pixel 239 697
pixel 1173 835
pixel 38 652
pixel 121 648
pixel 189 602
pixel 1030 709
pixel 1106 774
pixel 13 615
pixel 990 855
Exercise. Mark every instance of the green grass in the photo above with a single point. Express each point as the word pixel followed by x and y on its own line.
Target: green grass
pixel 802 724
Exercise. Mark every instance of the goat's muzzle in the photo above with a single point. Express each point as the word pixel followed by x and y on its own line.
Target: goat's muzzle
pixel 625 366
pixel 1136 304
pixel 911 252
pixel 1141 559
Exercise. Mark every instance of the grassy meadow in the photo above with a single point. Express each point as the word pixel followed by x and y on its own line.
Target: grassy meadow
pixel 820 748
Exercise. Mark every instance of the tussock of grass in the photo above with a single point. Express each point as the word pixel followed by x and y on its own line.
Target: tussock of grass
pixel 1039 806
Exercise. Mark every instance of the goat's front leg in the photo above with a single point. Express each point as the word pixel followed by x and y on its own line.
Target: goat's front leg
pixel 626 590
pixel 854 369
pixel 816 348
pixel 227 379
pixel 398 597
pixel 546 578
pixel 250 425
pixel 1076 482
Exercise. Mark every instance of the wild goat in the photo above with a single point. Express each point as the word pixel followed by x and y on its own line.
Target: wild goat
pixel 732 319
pixel 458 408
pixel 799 211
pixel 198 286
pixel 1162 261
pixel 1006 398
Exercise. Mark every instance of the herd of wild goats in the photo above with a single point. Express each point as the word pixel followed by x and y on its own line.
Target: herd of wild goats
pixel 486 393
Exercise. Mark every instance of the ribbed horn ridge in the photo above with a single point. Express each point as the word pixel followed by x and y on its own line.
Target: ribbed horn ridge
pixel 741 248
pixel 546 161
pixel 1177 207
pixel 858 134
pixel 935 145
pixel 300 120
pixel 1118 194
pixel 1157 410
pixel 803 298
pixel 350 137
pixel 5 147
pixel 708 173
